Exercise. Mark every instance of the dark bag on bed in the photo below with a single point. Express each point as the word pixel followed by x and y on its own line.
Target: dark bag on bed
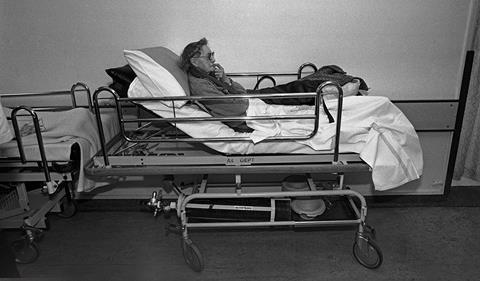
pixel 122 77
pixel 310 84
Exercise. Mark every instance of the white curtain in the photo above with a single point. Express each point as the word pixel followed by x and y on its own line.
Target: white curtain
pixel 468 158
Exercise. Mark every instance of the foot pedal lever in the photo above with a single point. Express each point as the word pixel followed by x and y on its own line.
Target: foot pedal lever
pixel 158 205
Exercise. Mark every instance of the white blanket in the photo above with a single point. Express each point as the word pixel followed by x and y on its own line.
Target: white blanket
pixel 371 126
pixel 60 130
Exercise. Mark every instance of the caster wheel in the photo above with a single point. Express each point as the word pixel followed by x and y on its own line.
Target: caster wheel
pixel 192 255
pixel 367 252
pixel 68 208
pixel 25 251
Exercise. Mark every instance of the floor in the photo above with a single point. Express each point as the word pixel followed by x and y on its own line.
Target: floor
pixel 465 182
pixel 110 242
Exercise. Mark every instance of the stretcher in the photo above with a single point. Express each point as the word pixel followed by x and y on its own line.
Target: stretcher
pixel 42 164
pixel 153 145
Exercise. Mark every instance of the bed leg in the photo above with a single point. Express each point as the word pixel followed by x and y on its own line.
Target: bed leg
pixel 191 253
pixel 365 249
pixel 340 178
pixel 310 183
pixel 203 184
pixel 69 193
pixel 238 183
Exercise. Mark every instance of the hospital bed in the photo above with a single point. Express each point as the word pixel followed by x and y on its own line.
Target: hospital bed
pixel 41 167
pixel 167 152
pixel 170 138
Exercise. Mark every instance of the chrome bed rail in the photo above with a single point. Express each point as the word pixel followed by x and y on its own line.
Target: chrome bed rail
pixel 78 87
pixel 118 101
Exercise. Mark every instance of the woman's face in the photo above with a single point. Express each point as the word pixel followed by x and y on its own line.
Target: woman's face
pixel 205 60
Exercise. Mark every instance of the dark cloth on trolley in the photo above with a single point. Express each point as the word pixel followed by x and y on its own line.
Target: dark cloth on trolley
pixel 310 84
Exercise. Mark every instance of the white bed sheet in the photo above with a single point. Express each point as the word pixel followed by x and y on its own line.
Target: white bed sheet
pixel 371 126
pixel 61 130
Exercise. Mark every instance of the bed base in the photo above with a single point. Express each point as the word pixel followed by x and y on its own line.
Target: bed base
pixel 119 159
pixel 26 208
pixel 365 249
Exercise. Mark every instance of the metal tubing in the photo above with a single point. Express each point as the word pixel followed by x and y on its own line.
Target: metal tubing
pixel 199 98
pixel 258 74
pixel 315 116
pixel 183 204
pixel 229 207
pixel 84 88
pixel 307 64
pixel 339 114
pixel 72 91
pixel 355 209
pixel 343 192
pixel 272 223
pixel 38 134
pixel 199 119
pixel 263 78
pixel 99 119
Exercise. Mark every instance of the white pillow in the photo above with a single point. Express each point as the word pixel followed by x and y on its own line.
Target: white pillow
pixel 154 77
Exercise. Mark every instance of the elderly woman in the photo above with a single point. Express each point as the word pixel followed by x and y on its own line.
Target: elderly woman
pixel 208 78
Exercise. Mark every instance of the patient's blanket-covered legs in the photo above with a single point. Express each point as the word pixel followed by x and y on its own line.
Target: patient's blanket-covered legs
pixel 371 126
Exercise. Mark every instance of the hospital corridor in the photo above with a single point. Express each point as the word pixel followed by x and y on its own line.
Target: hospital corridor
pixel 240 140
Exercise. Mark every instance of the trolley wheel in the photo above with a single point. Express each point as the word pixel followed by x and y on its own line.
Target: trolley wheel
pixel 367 252
pixel 192 255
pixel 25 251
pixel 68 208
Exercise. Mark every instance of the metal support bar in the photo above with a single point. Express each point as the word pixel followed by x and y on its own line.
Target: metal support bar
pixel 238 183
pixel 84 88
pixel 38 134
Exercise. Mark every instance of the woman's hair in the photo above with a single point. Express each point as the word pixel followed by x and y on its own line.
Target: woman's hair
pixel 190 51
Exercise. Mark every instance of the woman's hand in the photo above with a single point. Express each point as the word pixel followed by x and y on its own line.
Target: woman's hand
pixel 220 73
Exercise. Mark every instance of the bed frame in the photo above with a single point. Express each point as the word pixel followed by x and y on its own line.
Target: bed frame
pixel 145 148
pixel 32 188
